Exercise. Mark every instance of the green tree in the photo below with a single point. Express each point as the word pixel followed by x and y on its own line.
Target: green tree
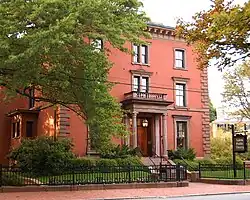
pixel 222 32
pixel 47 45
pixel 236 93
pixel 212 111
pixel 43 155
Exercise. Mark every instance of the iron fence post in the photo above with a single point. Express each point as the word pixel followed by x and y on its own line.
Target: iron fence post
pixel 244 165
pixel 73 176
pixel 129 173
pixel 199 170
pixel 178 177
pixel 1 175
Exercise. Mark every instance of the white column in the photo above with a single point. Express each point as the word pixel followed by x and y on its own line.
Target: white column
pixel 164 134
pixel 157 135
pixel 134 130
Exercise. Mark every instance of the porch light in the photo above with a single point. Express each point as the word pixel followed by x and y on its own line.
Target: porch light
pixel 145 123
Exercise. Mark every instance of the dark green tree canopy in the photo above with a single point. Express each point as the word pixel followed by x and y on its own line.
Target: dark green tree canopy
pixel 46 44
pixel 212 111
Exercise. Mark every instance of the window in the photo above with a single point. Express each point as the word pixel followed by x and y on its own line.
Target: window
pixel 144 84
pixel 16 129
pixel 31 98
pixel 144 54
pixel 180 94
pixel 136 50
pixel 140 54
pixel 97 44
pixel 13 130
pixel 29 128
pixel 140 84
pixel 181 134
pixel 136 83
pixel 179 58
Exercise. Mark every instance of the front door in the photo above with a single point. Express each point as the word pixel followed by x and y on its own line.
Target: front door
pixel 142 140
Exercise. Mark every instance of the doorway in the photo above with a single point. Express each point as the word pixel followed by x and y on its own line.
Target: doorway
pixel 144 136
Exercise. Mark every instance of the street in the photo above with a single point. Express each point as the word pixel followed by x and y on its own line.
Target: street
pixel 242 196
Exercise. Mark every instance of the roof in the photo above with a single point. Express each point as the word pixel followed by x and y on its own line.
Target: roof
pixel 160 25
pixel 21 111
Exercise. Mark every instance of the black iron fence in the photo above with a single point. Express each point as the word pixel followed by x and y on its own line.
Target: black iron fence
pixel 14 176
pixel 224 171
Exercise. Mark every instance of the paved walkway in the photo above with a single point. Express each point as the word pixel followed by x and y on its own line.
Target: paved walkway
pixel 194 188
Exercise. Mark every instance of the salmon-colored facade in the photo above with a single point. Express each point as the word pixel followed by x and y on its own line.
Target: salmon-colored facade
pixel 161 87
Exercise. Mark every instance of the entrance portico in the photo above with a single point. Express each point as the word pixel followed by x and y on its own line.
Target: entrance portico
pixel 147 122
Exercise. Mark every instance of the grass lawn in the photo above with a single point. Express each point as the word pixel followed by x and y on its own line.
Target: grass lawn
pixel 84 178
pixel 225 174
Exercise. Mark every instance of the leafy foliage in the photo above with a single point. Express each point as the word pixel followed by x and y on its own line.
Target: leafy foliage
pixel 222 32
pixel 104 163
pixel 221 146
pixel 119 152
pixel 212 112
pixel 11 179
pixel 43 155
pixel 182 153
pixel 47 45
pixel 191 165
pixel 236 92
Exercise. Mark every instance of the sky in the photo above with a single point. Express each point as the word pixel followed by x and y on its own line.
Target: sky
pixel 167 12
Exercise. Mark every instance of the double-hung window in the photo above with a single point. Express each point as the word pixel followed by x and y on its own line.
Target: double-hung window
pixel 16 129
pixel 180 58
pixel 181 134
pixel 136 49
pixel 180 90
pixel 144 54
pixel 31 98
pixel 140 54
pixel 140 84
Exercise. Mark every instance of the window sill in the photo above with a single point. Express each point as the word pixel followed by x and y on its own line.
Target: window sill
pixel 181 108
pixel 141 64
pixel 182 69
pixel 15 138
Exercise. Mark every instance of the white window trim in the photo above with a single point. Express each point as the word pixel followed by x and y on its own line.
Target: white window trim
pixel 185 59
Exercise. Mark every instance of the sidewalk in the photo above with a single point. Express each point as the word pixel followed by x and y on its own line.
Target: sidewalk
pixel 194 188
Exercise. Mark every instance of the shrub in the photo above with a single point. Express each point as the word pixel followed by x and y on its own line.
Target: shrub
pixel 221 146
pixel 106 163
pixel 133 161
pixel 11 179
pixel 206 162
pixel 229 161
pixel 83 162
pixel 43 155
pixel 190 165
pixel 119 152
pixel 181 153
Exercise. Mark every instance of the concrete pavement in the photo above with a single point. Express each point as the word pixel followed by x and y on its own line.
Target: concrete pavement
pixel 194 188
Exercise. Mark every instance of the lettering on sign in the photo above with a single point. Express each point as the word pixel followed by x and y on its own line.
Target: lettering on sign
pixel 240 143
